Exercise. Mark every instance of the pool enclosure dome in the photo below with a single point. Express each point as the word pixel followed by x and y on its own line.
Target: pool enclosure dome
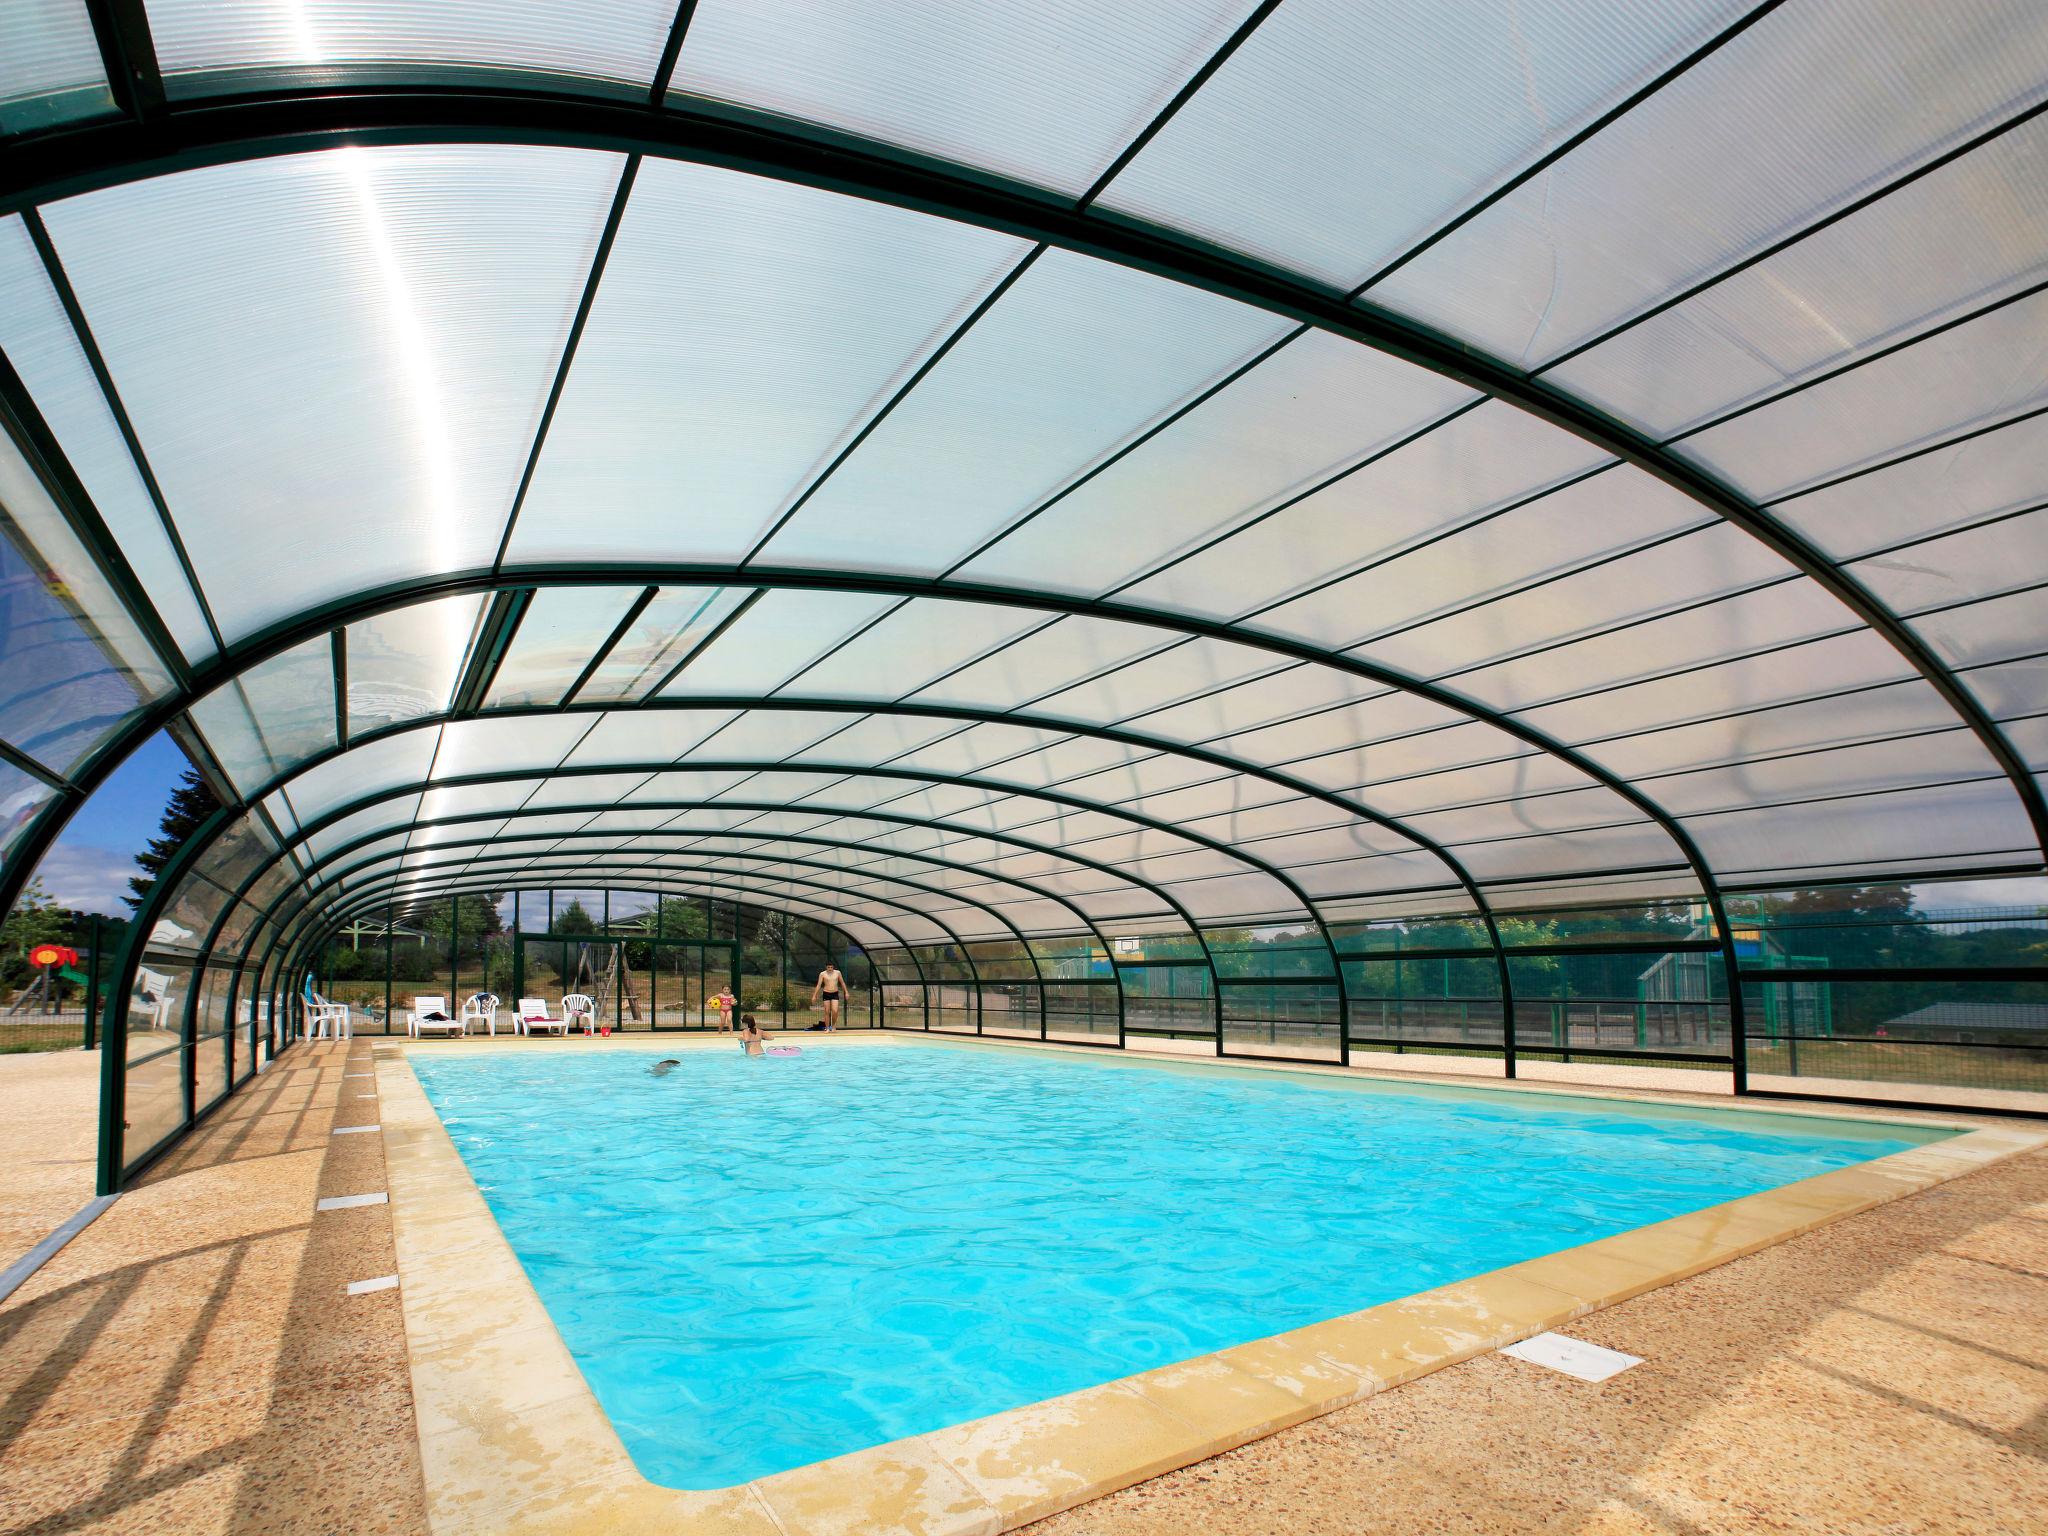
pixel 1118 480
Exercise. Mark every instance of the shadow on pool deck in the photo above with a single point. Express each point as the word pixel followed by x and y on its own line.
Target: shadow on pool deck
pixel 191 1364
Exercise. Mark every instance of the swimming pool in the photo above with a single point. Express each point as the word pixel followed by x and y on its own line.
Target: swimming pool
pixel 759 1263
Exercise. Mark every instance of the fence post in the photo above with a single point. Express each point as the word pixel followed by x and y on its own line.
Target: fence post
pixel 92 987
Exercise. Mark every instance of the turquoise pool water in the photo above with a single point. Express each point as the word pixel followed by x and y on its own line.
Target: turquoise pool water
pixel 759 1262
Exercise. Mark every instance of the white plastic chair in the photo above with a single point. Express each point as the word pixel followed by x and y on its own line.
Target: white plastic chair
pixel 533 1015
pixel 325 1018
pixel 580 1004
pixel 154 989
pixel 422 1024
pixel 481 1008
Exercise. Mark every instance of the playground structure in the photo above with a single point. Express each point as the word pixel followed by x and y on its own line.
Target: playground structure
pixel 63 1000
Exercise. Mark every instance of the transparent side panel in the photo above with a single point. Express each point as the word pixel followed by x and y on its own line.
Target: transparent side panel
pixel 1909 1039
pixel 211 1027
pixel 1273 1018
pixel 955 998
pixel 1082 1010
pixel 1452 931
pixel 1892 926
pixel 80 667
pixel 1290 950
pixel 1012 1008
pixel 153 1103
pixel 1439 1003
pixel 1175 1001
pixel 903 991
pixel 1594 1004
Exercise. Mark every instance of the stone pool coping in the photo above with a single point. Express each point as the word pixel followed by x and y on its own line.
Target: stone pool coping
pixel 512 1439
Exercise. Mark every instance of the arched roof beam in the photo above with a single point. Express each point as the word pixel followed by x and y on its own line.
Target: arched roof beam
pixel 316 866
pixel 658 858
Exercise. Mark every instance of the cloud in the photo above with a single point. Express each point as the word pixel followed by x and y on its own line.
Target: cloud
pixel 90 879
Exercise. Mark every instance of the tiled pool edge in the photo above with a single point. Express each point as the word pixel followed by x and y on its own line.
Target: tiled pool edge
pixel 512 1440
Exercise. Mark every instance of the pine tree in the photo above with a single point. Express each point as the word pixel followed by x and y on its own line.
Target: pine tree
pixel 190 804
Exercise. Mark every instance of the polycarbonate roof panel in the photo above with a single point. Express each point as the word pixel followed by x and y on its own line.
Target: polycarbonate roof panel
pixel 348 346
pixel 1048 93
pixel 1660 578
pixel 912 644
pixel 789 407
pixel 1839 835
pixel 1167 677
pixel 1963 236
pixel 374 768
pixel 562 630
pixel 1782 126
pixel 1590 519
pixel 1313 410
pixel 1994 630
pixel 1979 476
pixel 730 301
pixel 274 716
pixel 1922 758
pixel 1959 567
pixel 22 799
pixel 1074 361
pixel 595 43
pixel 1345 131
pixel 1462 473
pixel 50 68
pixel 40 342
pixel 673 625
pixel 1962 379
pixel 776 639
pixel 403 665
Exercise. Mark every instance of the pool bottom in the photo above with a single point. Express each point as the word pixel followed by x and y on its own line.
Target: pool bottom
pixel 512 1438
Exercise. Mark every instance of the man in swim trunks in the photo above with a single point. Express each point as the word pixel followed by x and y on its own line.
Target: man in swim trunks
pixel 825 995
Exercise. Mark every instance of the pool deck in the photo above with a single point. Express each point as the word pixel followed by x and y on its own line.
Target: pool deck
pixel 192 1363
pixel 49 1143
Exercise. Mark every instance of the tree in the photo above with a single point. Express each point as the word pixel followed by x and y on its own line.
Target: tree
pixel 35 920
pixel 480 919
pixel 574 919
pixel 190 804
pixel 682 917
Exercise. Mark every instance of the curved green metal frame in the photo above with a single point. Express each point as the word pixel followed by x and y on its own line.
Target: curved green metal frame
pixel 156 137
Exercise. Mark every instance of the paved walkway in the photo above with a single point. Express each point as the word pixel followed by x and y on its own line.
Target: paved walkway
pixel 49 1133
pixel 190 1363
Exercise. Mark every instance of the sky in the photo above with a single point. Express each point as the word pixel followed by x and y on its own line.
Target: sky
pixel 89 865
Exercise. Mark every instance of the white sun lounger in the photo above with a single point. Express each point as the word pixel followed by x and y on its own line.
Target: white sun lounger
pixel 533 1016
pixel 422 1024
